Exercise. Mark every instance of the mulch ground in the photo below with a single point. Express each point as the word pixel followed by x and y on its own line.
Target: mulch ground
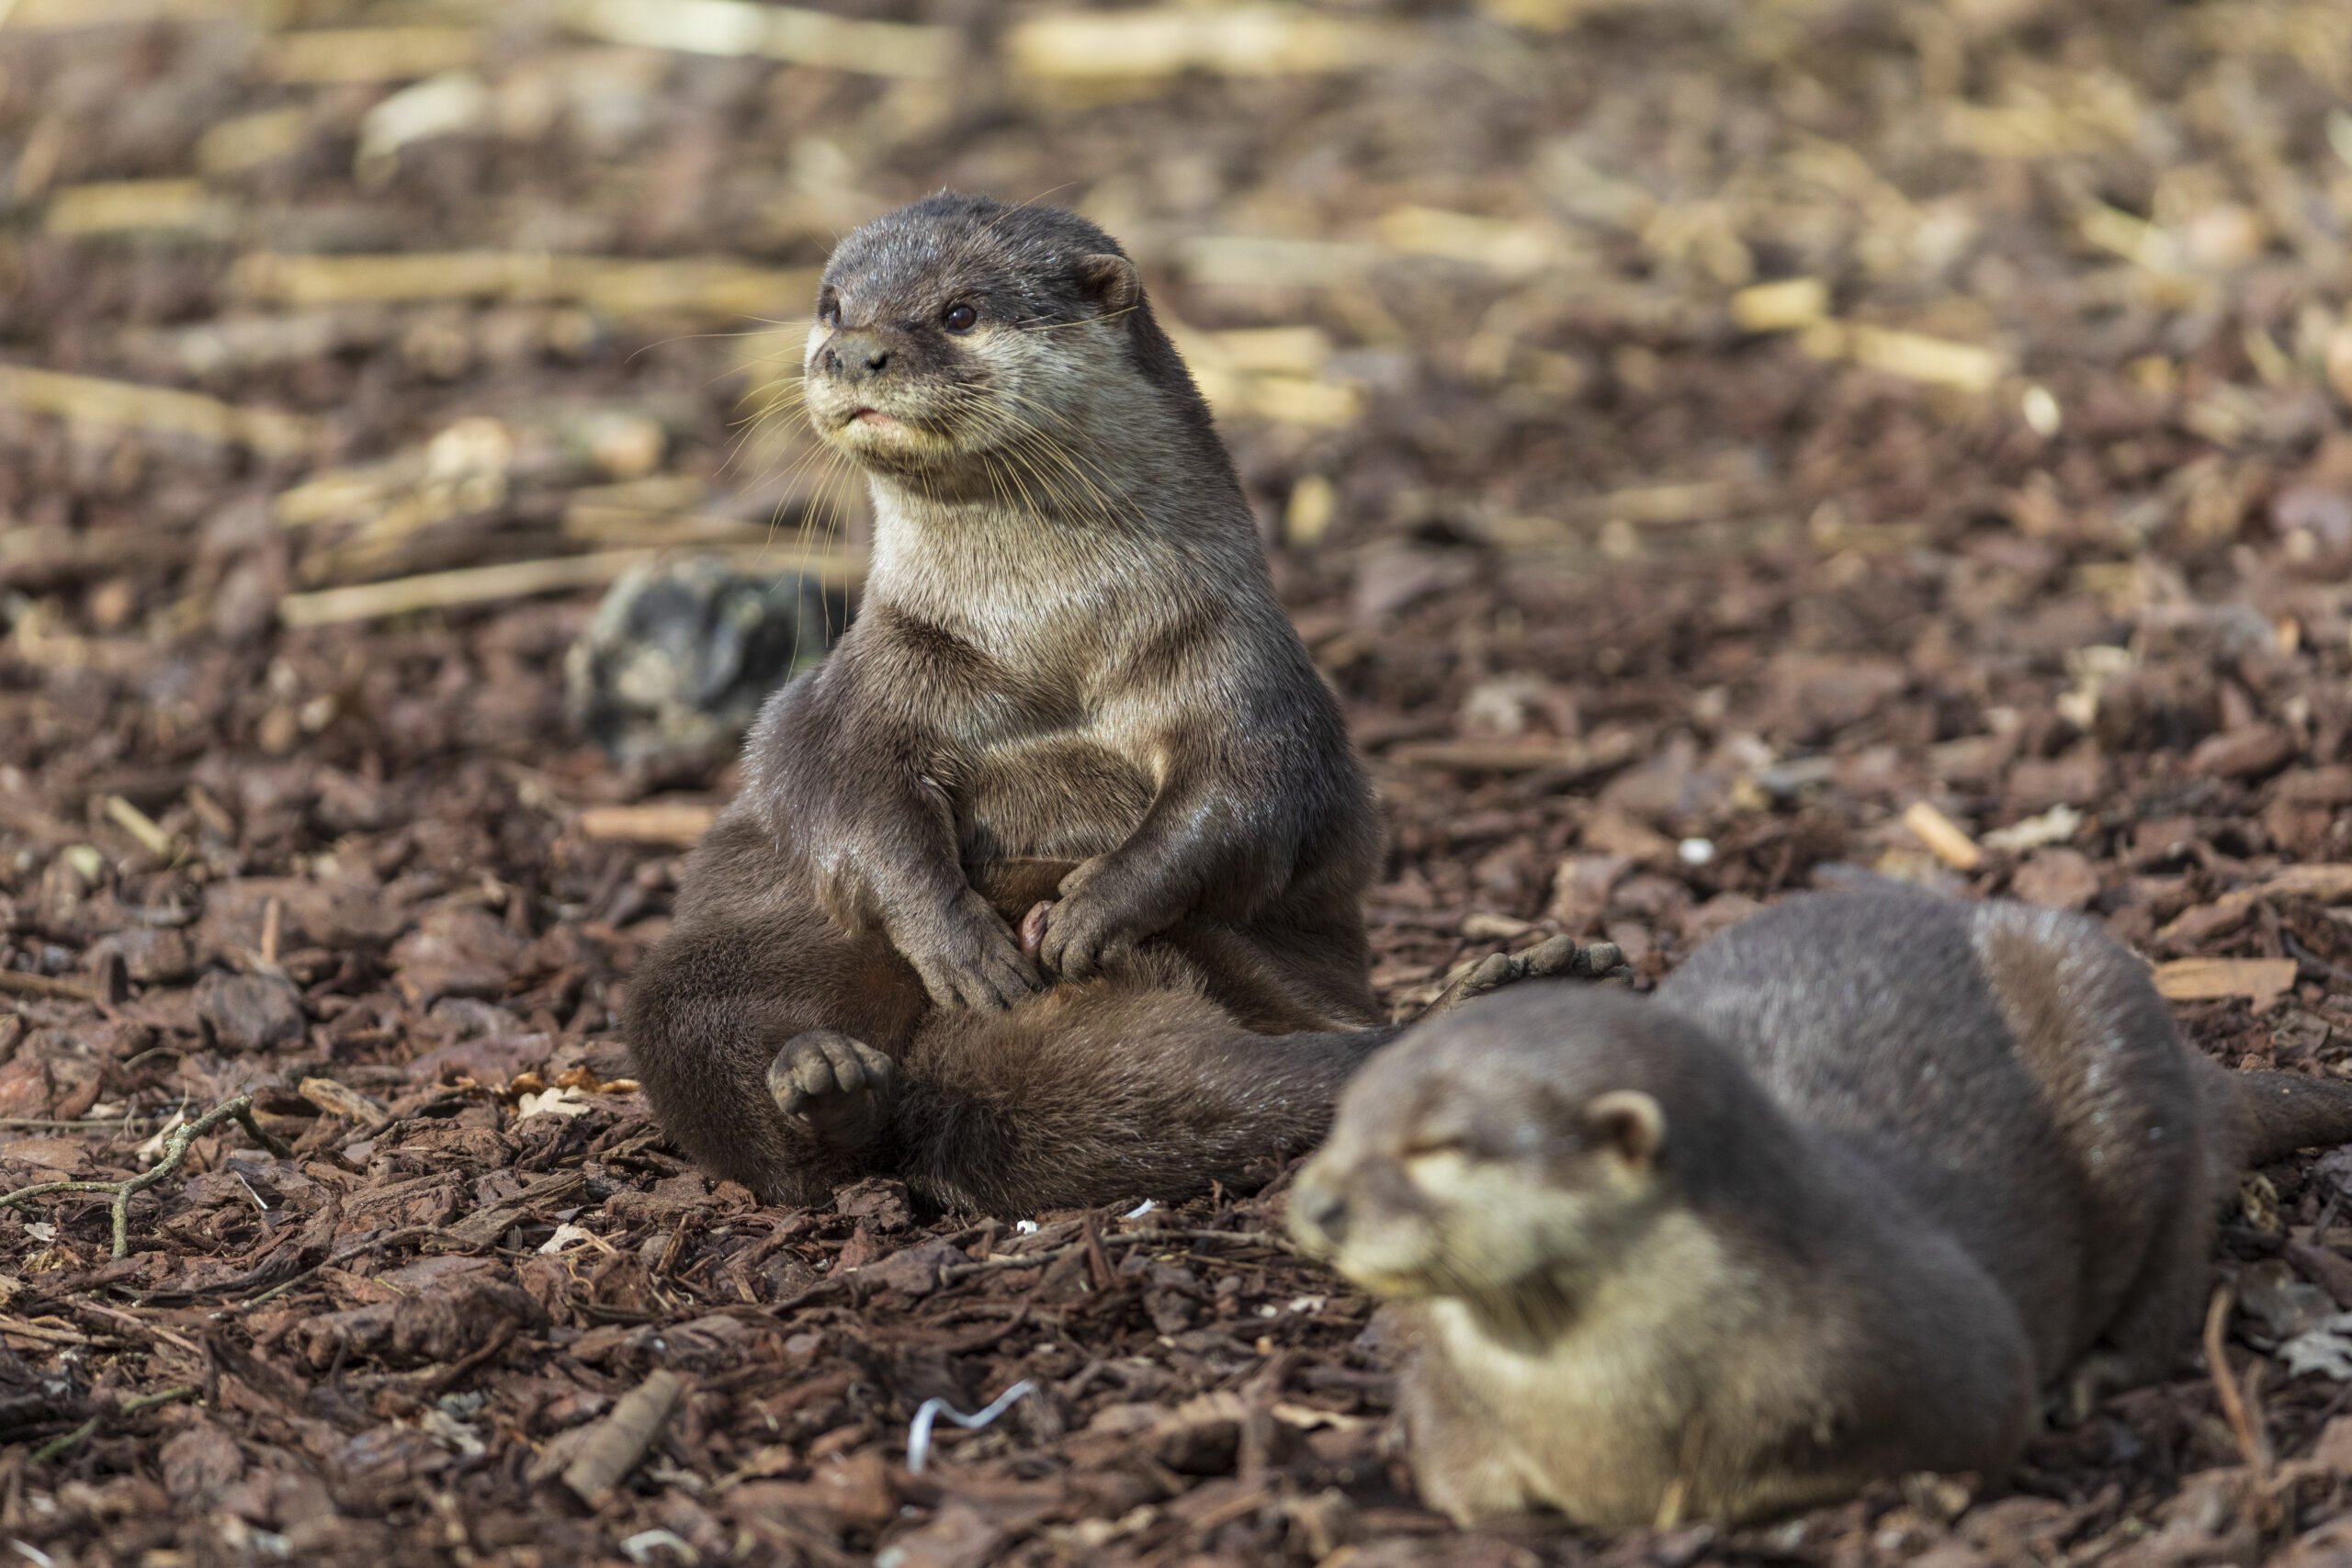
pixel 1703 443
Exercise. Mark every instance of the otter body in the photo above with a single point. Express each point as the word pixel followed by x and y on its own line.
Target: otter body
pixel 1872 1175
pixel 1070 682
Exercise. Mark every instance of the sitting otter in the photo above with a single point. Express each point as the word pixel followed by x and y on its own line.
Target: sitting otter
pixel 1070 682
pixel 1872 1172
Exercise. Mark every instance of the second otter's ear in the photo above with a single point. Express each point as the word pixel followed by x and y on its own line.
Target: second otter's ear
pixel 1629 1124
pixel 1112 279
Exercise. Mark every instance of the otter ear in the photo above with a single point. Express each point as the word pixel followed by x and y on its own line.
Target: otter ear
pixel 1628 1123
pixel 1112 280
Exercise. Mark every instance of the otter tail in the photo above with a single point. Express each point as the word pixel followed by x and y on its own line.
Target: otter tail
pixel 2276 1114
pixel 1136 1084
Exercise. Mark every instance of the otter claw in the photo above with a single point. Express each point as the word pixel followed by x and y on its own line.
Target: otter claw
pixel 1558 958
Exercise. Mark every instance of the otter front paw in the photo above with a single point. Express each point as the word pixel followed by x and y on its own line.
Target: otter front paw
pixel 1557 959
pixel 971 959
pixel 836 1090
pixel 1102 915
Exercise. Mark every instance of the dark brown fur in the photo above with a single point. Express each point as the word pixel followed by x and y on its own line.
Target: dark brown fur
pixel 1070 681
pixel 1873 1174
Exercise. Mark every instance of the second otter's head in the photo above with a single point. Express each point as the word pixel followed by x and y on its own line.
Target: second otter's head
pixel 961 327
pixel 1522 1141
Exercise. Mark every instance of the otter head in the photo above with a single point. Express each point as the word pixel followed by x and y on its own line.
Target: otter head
pixel 959 328
pixel 1513 1145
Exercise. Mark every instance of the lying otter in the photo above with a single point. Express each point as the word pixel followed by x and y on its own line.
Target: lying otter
pixel 1871 1173
pixel 1070 682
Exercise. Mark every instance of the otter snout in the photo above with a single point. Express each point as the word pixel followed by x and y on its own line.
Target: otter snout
pixel 855 356
pixel 1319 1217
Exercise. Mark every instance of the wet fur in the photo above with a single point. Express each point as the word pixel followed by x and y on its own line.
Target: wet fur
pixel 1070 680
pixel 1924 1164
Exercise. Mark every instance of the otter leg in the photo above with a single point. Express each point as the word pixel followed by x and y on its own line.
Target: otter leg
pixel 1134 1084
pixel 753 970
pixel 2152 1330
pixel 1459 1467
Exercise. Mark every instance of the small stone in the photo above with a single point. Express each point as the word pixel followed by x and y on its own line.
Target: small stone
pixel 249 1012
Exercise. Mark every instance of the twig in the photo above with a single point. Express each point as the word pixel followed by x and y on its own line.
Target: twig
pixel 2254 1444
pixel 158 1330
pixel 1044 1256
pixel 17 982
pixel 612 1450
pixel 88 400
pixel 82 1124
pixel 54 1336
pixel 440 1378
pixel 58 1447
pixel 615 285
pixel 515 580
pixel 176 1149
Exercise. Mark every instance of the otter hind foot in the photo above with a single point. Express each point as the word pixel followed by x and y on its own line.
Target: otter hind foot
pixel 1559 958
pixel 836 1090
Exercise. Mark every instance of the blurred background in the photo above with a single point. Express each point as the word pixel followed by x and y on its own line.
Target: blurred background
pixel 1700 439
pixel 1735 401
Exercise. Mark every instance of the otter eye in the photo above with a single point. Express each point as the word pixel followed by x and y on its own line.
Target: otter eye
pixel 828 309
pixel 960 318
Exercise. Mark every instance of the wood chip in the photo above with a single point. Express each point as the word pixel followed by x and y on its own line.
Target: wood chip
pixel 737 28
pixel 42 16
pixel 1944 838
pixel 1506 246
pixel 342 1099
pixel 324 55
pixel 1492 756
pixel 1915 356
pixel 1654 504
pixel 620 1439
pixel 2331 881
pixel 2206 979
pixel 678 822
pixel 141 827
pixel 1159 41
pixel 117 206
pixel 1781 306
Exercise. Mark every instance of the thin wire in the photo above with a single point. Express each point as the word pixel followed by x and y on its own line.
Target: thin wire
pixel 918 1431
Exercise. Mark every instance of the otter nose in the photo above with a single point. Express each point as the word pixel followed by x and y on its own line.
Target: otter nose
pixel 854 357
pixel 1324 1210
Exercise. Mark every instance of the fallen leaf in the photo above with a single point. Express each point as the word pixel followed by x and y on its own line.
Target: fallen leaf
pixel 2325 1349
pixel 561 1101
